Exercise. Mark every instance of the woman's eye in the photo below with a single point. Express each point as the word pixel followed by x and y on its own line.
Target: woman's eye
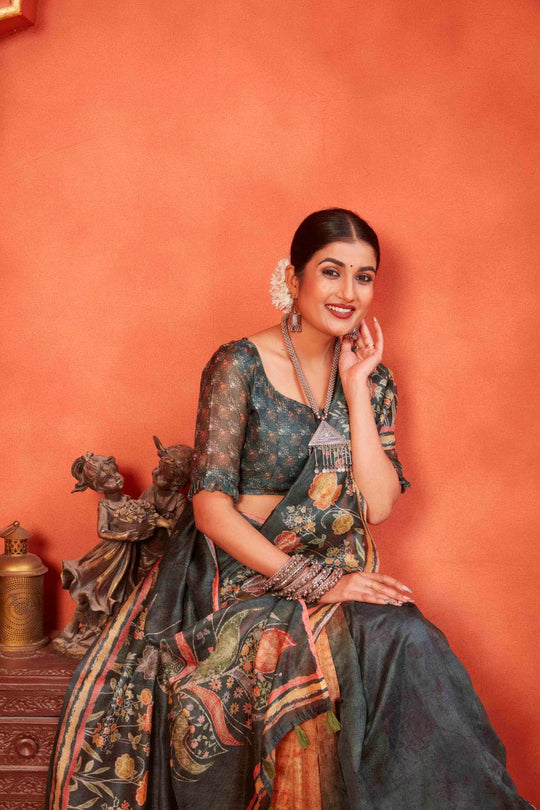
pixel 364 278
pixel 330 271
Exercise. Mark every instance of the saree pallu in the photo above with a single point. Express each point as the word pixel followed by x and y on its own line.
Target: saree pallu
pixel 195 696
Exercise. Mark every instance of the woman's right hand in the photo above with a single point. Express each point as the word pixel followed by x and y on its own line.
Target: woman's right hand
pixel 378 589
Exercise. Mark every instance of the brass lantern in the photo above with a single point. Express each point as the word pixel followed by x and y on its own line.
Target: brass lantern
pixel 21 594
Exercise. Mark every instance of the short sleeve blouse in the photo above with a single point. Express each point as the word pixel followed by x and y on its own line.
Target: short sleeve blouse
pixel 251 439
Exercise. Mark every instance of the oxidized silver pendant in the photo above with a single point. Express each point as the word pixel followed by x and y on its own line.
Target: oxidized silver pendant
pixel 332 450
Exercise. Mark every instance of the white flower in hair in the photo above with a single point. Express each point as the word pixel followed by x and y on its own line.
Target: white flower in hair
pixel 279 292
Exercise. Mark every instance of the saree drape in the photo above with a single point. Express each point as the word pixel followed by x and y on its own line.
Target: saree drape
pixel 190 681
pixel 192 691
pixel 197 696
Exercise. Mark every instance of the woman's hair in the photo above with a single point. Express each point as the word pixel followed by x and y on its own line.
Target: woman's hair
pixel 329 225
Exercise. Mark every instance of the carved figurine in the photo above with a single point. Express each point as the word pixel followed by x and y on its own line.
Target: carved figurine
pixel 101 579
pixel 168 478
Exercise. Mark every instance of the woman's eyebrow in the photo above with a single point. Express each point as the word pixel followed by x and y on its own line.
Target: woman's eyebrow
pixel 342 264
pixel 329 259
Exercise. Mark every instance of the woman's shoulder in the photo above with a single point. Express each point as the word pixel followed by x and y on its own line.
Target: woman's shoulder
pixel 234 351
pixel 235 358
pixel 244 353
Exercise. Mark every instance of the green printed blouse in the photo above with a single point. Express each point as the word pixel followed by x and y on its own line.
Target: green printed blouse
pixel 251 439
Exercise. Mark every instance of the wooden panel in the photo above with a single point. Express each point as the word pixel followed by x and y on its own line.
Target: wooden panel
pixel 43 668
pixel 26 743
pixel 22 789
pixel 31 702
pixel 31 696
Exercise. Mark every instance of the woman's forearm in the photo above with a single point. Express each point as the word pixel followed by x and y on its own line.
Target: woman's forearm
pixel 373 472
pixel 216 516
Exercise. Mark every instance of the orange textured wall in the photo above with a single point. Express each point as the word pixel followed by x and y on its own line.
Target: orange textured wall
pixel 154 163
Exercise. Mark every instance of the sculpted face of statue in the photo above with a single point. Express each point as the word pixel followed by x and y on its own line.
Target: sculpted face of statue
pixel 174 468
pixel 108 479
pixel 99 473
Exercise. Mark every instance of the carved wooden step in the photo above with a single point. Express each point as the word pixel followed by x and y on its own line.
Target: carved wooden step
pixel 31 697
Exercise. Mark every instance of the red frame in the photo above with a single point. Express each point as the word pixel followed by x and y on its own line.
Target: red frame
pixel 16 14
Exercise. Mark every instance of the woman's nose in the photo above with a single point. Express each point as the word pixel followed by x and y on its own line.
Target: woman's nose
pixel 347 288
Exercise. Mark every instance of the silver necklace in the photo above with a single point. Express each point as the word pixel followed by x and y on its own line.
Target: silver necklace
pixel 332 450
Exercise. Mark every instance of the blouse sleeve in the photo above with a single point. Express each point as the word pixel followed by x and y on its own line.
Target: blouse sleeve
pixel 385 425
pixel 221 425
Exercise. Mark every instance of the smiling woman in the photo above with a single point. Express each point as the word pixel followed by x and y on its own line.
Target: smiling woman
pixel 265 662
pixel 339 277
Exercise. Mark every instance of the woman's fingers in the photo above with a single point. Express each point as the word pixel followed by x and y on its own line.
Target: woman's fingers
pixel 379 339
pixel 361 356
pixel 369 346
pixel 387 591
pixel 386 579
pixel 379 589
pixel 375 596
pixel 366 335
pixel 347 357
pixel 391 593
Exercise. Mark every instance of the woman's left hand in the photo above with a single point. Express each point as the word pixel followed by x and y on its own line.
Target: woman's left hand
pixel 360 357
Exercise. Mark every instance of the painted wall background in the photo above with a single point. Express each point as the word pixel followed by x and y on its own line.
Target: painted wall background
pixel 154 164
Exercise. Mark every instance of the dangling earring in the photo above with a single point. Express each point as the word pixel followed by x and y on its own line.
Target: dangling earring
pixel 295 319
pixel 353 334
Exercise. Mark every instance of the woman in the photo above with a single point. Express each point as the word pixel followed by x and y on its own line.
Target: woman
pixel 267 663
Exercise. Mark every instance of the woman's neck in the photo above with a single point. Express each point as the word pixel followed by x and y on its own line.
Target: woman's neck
pixel 313 346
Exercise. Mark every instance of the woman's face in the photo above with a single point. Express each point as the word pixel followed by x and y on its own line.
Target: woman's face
pixel 336 288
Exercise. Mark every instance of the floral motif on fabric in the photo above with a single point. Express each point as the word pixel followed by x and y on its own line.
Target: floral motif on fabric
pixel 230 683
pixel 328 526
pixel 239 679
pixel 111 771
pixel 250 438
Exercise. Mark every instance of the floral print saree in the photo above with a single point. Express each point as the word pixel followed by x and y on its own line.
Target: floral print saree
pixel 198 696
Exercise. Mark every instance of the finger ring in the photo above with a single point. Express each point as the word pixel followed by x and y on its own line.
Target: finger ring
pixel 370 345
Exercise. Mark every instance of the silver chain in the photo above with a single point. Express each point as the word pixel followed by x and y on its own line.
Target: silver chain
pixel 320 414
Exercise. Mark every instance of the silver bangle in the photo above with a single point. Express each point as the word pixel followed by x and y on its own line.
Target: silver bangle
pixel 300 578
pixel 287 573
pixel 333 577
pixel 303 580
